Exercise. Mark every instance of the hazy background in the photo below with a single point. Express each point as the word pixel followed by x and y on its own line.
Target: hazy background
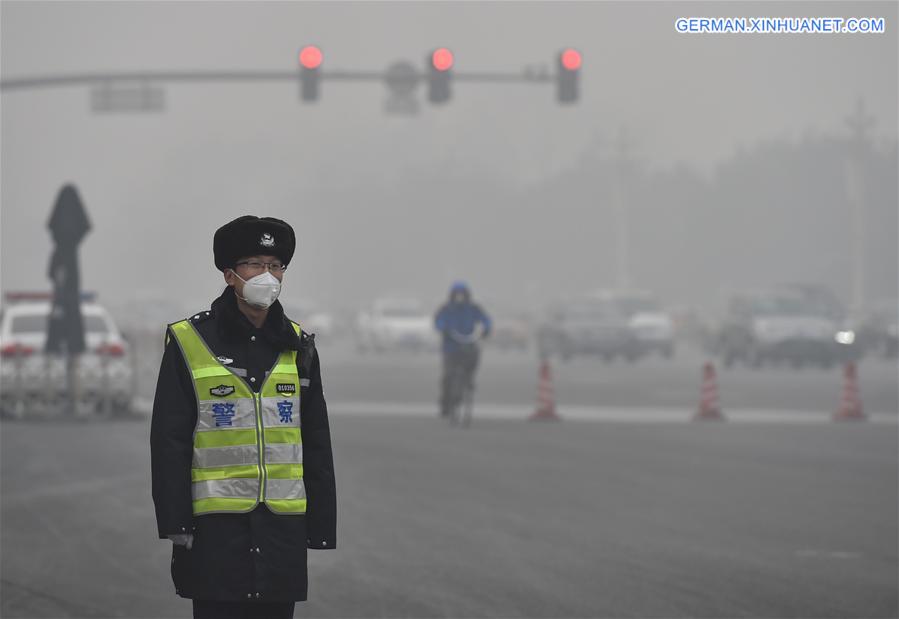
pixel 729 154
pixel 737 144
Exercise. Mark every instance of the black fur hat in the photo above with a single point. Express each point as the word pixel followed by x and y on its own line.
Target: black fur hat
pixel 253 236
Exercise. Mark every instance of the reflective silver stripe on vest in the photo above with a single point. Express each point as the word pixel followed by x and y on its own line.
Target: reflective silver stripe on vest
pixel 243 488
pixel 225 456
pixel 304 382
pixel 212 412
pixel 281 412
pixel 283 453
pixel 285 489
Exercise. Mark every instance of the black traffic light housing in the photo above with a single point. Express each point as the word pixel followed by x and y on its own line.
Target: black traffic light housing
pixel 568 70
pixel 310 73
pixel 309 79
pixel 439 65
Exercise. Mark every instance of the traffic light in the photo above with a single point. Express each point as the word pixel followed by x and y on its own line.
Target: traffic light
pixel 310 61
pixel 440 64
pixel 568 75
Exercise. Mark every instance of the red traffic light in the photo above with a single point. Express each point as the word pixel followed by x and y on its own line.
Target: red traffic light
pixel 442 59
pixel 571 59
pixel 310 57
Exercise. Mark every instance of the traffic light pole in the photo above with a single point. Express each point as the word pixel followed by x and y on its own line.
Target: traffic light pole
pixel 142 91
pixel 97 79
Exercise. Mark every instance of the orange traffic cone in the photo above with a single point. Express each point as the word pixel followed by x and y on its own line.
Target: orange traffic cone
pixel 709 409
pixel 851 406
pixel 546 399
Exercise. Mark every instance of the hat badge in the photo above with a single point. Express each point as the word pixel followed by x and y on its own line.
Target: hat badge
pixel 267 240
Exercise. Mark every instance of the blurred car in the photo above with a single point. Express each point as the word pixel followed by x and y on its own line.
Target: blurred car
pixel 689 324
pixel 652 327
pixel 587 326
pixel 784 324
pixel 313 319
pixel 31 379
pixel 510 332
pixel 877 330
pixel 395 323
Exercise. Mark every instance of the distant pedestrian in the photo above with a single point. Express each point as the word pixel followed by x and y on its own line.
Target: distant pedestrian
pixel 457 319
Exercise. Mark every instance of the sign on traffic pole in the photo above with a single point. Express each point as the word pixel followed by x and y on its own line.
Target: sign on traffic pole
pixel 65 329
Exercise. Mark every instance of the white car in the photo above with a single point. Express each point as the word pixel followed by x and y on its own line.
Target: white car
pixel 652 326
pixel 397 323
pixel 313 319
pixel 783 324
pixel 32 380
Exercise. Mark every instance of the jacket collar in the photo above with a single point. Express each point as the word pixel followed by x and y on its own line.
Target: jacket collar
pixel 233 325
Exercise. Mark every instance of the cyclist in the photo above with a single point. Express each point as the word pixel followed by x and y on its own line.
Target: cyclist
pixel 462 322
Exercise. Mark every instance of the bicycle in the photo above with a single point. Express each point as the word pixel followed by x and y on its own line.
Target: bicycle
pixel 460 391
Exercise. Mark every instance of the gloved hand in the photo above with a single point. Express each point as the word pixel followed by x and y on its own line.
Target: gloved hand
pixel 183 539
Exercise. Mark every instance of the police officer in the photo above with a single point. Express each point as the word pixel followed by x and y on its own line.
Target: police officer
pixel 243 475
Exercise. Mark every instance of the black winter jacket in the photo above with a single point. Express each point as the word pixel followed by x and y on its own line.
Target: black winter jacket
pixel 258 555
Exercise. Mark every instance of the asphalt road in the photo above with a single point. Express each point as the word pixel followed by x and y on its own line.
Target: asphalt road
pixel 506 519
pixel 510 379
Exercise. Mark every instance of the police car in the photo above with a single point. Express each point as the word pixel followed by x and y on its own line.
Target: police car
pixel 32 381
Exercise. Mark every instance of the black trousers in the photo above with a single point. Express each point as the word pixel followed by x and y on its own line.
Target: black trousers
pixel 216 609
pixel 463 359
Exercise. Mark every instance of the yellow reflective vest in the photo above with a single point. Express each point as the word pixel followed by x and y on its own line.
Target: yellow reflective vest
pixel 247 446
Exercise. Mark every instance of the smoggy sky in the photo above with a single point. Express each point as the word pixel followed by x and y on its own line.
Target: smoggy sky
pixel 157 186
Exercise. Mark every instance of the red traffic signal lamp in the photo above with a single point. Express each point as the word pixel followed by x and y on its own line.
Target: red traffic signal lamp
pixel 442 59
pixel 310 57
pixel 568 69
pixel 570 59
pixel 310 76
pixel 439 66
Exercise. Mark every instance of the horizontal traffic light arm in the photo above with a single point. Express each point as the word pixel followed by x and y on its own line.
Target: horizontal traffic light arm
pixel 93 79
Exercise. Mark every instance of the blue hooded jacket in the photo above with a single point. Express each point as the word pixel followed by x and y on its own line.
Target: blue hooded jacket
pixel 461 317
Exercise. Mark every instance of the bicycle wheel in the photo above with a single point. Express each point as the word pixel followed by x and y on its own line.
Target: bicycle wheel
pixel 455 396
pixel 466 406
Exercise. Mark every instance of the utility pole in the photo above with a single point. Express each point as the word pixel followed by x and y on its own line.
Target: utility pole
pixel 859 123
pixel 622 216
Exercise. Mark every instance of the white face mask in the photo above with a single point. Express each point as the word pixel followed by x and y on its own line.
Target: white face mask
pixel 260 291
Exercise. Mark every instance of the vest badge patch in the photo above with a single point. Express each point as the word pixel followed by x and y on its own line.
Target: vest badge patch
pixel 286 388
pixel 222 390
